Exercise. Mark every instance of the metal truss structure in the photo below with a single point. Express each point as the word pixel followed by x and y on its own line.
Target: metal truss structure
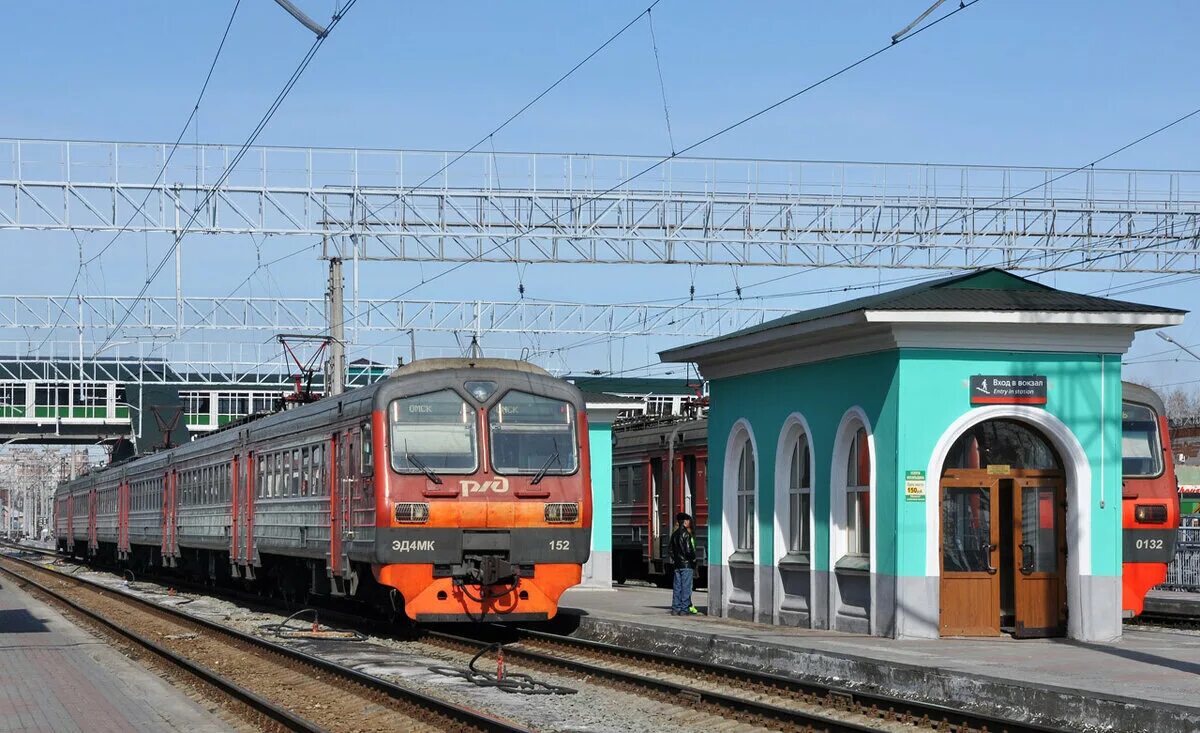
pixel 170 362
pixel 169 315
pixel 568 208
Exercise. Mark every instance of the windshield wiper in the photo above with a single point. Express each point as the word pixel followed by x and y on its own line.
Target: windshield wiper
pixel 541 474
pixel 429 472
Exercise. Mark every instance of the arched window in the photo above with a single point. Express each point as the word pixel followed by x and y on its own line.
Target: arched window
pixel 745 497
pixel 858 495
pixel 799 497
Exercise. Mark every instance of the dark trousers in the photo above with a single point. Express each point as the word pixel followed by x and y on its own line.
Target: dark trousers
pixel 681 593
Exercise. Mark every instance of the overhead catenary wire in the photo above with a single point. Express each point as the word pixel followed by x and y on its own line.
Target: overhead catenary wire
pixel 662 161
pixel 490 136
pixel 262 123
pixel 662 87
pixel 161 171
pixel 740 289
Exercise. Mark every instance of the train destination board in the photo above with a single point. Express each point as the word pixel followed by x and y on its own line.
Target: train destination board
pixel 988 389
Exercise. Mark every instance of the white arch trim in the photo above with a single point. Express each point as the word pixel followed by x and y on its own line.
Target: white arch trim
pixel 793 427
pixel 729 475
pixel 1075 465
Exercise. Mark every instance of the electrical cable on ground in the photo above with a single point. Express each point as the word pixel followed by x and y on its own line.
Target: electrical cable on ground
pixel 315 631
pixel 511 682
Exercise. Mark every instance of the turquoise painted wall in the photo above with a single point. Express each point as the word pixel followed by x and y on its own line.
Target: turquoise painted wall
pixel 934 392
pixel 601 449
pixel 822 393
pixel 911 397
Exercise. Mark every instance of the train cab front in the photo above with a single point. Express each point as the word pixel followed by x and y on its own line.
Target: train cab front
pixel 1150 502
pixel 485 511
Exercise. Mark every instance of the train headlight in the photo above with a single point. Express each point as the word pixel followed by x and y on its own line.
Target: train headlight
pixel 480 390
pixel 1150 513
pixel 412 513
pixel 562 513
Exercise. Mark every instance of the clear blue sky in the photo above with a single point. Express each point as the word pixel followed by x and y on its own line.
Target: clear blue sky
pixel 1005 82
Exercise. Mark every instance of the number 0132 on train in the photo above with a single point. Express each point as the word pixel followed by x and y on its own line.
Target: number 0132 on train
pixel 456 489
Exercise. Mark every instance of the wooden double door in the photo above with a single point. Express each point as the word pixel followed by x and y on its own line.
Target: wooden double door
pixel 1003 543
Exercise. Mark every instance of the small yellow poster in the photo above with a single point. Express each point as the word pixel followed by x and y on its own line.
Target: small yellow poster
pixel 914 485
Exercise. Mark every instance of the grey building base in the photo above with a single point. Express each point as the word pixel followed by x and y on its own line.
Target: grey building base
pixel 919 597
pixel 597 571
pixel 1097 615
pixel 1055 707
pixel 716 590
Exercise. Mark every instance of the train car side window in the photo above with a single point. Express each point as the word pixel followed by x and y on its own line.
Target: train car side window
pixel 532 434
pixel 294 489
pixel 1141 450
pixel 321 470
pixel 367 458
pixel 433 432
pixel 305 469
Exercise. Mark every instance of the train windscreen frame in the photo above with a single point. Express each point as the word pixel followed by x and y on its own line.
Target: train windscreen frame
pixel 433 431
pixel 1141 444
pixel 532 433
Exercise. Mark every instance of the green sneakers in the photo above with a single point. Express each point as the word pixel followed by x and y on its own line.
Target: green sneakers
pixel 693 610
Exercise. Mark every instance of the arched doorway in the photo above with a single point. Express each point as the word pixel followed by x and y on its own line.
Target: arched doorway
pixel 1002 534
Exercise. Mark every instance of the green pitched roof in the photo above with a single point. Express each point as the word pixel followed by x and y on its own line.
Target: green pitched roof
pixel 992 289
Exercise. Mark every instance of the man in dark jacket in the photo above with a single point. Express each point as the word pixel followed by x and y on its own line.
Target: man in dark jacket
pixel 683 557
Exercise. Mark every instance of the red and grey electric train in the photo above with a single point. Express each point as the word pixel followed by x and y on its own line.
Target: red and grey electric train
pixel 1149 495
pixel 455 488
pixel 661 467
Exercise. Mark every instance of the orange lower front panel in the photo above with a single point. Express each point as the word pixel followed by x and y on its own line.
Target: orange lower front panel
pixel 1137 580
pixel 438 599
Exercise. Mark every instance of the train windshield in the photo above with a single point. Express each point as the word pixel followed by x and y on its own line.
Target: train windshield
pixel 434 431
pixel 1141 451
pixel 532 434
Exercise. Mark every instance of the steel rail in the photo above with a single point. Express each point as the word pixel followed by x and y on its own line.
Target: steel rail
pixel 254 702
pixel 475 719
pixel 843 695
pixel 767 711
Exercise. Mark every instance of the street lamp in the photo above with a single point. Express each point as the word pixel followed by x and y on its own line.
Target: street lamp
pixel 1172 341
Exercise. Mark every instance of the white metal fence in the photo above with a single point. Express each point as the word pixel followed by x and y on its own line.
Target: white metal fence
pixel 1184 572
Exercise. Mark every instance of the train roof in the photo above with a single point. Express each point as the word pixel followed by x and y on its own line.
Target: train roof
pixel 1143 395
pixel 428 365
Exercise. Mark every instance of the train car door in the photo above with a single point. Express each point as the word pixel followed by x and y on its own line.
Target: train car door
pixel 93 508
pixel 168 517
pixel 123 520
pixel 1039 560
pixel 652 507
pixel 342 486
pixel 970 530
pixel 70 522
pixel 235 514
pixel 246 512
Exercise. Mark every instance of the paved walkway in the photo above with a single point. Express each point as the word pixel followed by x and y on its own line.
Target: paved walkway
pixel 58 678
pixel 1162 667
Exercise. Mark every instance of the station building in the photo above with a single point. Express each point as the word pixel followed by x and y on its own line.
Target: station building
pixel 940 460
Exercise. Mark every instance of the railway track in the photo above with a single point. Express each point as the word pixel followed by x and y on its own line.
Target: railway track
pixel 748 699
pixel 279 686
pixel 752 697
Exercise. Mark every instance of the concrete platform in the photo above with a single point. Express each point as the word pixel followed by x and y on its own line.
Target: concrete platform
pixel 1173 603
pixel 1149 681
pixel 58 678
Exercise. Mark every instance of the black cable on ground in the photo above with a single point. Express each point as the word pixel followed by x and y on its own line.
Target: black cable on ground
pixel 515 683
pixel 316 631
